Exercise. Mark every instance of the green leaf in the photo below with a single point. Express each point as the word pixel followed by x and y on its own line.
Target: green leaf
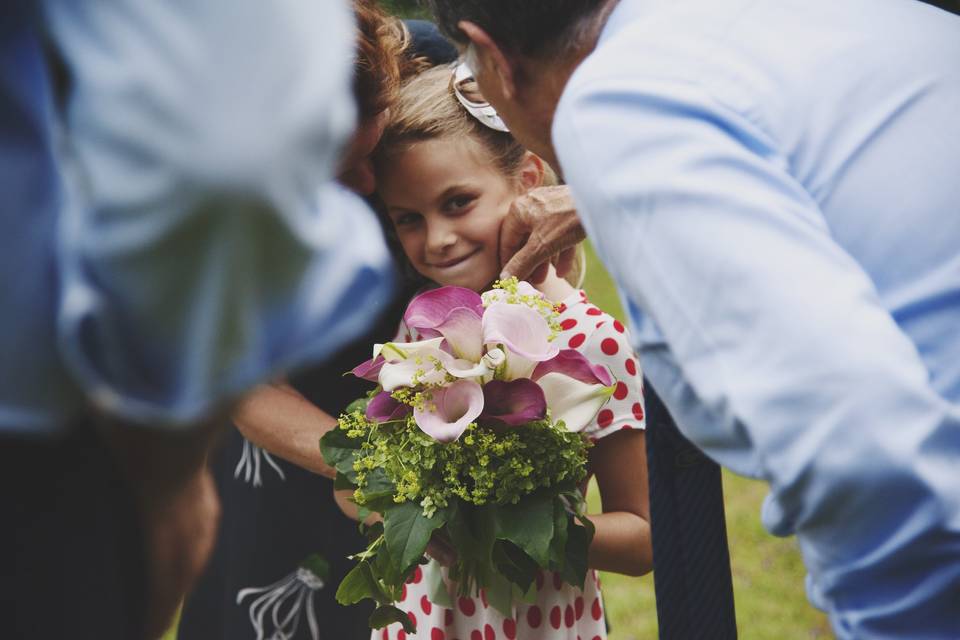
pixel 360 404
pixel 339 451
pixel 558 543
pixel 388 614
pixel 378 485
pixel 437 590
pixel 515 565
pixel 342 481
pixel 529 525
pixel 574 570
pixel 359 584
pixel 408 531
pixel 318 565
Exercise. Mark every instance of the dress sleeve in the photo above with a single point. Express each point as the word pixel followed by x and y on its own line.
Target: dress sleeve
pixel 609 346
pixel 203 245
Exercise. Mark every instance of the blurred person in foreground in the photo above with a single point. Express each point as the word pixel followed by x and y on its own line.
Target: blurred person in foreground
pixel 771 185
pixel 169 213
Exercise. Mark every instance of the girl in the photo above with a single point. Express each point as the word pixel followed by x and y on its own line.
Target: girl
pixel 447 172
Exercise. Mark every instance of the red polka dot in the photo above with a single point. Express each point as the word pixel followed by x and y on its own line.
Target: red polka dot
pixel 568 616
pixel 605 418
pixel 401 635
pixel 489 633
pixel 597 638
pixel 609 346
pixel 568 324
pixel 578 607
pixel 426 605
pixel 483 598
pixel 539 580
pixel 638 411
pixel 385 635
pixel 630 366
pixel 577 340
pixel 557 581
pixel 618 326
pixel 626 427
pixel 448 617
pixel 593 311
pixel 596 610
pixel 467 606
pixel 534 617
pixel 412 617
pixel 476 635
pixel 416 577
pixel 403 593
pixel 621 391
pixel 510 628
pixel 555 617
pixel 437 634
pixel 601 323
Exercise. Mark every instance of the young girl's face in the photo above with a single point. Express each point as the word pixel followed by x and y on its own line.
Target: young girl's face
pixel 446 201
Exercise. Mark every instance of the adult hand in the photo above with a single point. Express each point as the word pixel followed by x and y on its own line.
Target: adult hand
pixel 541 227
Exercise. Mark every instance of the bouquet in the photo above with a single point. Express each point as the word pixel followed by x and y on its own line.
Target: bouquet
pixel 472 435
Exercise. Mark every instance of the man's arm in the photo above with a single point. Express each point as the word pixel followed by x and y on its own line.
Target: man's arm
pixel 280 420
pixel 778 358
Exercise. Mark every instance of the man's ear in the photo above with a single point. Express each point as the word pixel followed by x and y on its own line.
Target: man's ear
pixel 531 171
pixel 490 57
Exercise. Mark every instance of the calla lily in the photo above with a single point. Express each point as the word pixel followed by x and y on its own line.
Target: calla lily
pixel 571 362
pixel 430 309
pixel 410 363
pixel 383 408
pixel 523 332
pixel 513 403
pixel 573 401
pixel 369 370
pixel 499 295
pixel 462 329
pixel 450 410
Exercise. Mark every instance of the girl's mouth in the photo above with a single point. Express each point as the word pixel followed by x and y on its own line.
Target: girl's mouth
pixel 455 261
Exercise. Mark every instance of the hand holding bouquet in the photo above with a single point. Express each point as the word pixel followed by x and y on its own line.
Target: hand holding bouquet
pixel 471 435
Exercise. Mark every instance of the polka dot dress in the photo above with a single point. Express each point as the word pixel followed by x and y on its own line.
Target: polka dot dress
pixel 562 612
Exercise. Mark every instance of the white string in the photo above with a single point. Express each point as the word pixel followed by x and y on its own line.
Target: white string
pixel 297 588
pixel 249 464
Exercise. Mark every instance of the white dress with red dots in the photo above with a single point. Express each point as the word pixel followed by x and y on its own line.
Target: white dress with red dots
pixel 562 611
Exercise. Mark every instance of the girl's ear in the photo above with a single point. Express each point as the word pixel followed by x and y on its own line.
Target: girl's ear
pixel 531 171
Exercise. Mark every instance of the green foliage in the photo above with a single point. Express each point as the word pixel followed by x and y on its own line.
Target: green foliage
pixel 405 8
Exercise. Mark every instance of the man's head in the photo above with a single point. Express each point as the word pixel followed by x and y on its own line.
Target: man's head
pixel 522 53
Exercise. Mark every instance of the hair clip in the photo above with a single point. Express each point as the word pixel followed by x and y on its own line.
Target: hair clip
pixel 479 108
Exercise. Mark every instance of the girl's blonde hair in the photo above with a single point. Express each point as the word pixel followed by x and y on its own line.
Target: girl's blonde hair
pixel 426 108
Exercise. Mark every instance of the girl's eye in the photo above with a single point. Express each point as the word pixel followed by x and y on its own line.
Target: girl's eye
pixel 458 203
pixel 406 219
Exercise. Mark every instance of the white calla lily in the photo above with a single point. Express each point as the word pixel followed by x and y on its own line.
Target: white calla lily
pixel 574 402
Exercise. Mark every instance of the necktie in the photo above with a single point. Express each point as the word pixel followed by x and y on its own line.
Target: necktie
pixel 694 589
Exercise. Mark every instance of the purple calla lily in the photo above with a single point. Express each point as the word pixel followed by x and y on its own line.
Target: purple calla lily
pixel 369 370
pixel 450 410
pixel 513 403
pixel 383 408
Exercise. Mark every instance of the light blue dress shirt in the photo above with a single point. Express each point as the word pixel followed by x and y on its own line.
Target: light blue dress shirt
pixel 775 186
pixel 173 236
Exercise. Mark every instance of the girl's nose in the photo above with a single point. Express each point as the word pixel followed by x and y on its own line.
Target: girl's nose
pixel 441 235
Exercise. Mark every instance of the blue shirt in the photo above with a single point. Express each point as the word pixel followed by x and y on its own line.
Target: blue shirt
pixel 774 186
pixel 172 236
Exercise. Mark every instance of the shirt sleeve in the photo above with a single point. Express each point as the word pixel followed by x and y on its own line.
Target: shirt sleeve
pixel 609 346
pixel 203 247
pixel 777 356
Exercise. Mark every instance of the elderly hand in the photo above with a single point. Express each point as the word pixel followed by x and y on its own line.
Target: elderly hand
pixel 541 227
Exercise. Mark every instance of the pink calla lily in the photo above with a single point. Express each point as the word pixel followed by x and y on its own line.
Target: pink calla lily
pixel 513 403
pixel 572 363
pixel 450 410
pixel 462 329
pixel 383 408
pixel 429 309
pixel 523 332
